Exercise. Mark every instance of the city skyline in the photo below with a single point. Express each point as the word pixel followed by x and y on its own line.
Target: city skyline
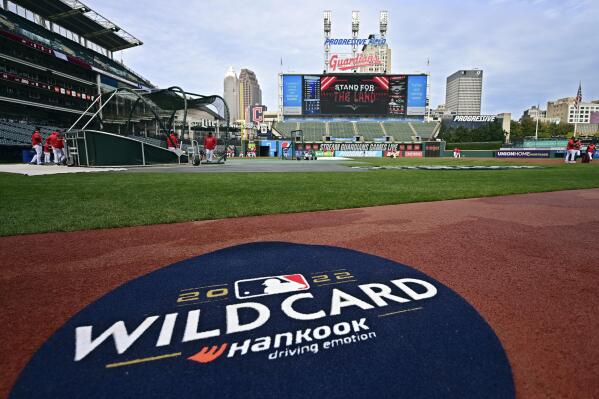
pixel 525 47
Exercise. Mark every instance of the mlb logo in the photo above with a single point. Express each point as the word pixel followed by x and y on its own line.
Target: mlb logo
pixel 263 286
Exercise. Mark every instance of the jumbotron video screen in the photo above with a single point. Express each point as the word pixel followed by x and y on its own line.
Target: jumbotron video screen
pixel 398 96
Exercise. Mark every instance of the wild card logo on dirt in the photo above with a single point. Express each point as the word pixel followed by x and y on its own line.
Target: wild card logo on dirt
pixel 299 298
pixel 273 320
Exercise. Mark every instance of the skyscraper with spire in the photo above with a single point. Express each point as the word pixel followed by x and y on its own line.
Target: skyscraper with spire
pixel 231 94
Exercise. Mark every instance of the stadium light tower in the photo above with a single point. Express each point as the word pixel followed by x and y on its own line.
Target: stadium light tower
pixel 355 28
pixel 383 20
pixel 327 35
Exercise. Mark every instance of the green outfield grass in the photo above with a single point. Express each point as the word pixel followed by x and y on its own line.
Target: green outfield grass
pixel 112 199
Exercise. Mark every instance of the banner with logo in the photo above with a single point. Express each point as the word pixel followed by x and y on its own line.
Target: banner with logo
pixel 359 154
pixel 322 154
pixel 523 154
pixel 350 63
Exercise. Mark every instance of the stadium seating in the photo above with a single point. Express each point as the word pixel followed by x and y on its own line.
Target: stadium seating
pixel 425 130
pixel 13 133
pixel 285 128
pixel 370 130
pixel 45 37
pixel 313 131
pixel 401 131
pixel 341 129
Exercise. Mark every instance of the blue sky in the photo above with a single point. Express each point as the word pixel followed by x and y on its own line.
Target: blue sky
pixel 531 51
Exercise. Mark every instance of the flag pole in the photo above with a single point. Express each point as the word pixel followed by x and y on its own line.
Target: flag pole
pixel 575 120
pixel 537 127
pixel 577 105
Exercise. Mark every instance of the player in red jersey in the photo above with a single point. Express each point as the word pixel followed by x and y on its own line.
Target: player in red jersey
pixel 36 143
pixel 209 146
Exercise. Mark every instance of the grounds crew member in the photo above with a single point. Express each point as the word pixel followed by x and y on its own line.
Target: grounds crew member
pixel 209 146
pixel 36 143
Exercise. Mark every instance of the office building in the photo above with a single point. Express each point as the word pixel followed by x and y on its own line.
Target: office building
pixel 463 92
pixel 249 91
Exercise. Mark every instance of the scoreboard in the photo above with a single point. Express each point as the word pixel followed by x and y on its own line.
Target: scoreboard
pixel 398 96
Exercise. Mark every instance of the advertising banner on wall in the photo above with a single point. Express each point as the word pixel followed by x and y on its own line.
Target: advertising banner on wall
pixel 292 94
pixel 432 149
pixel 354 95
pixel 359 154
pixel 324 154
pixel 523 154
pixel 350 146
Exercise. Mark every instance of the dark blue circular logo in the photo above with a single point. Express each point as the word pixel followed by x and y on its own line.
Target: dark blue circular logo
pixel 272 320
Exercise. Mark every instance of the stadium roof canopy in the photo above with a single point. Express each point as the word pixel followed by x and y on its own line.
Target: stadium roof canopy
pixel 82 20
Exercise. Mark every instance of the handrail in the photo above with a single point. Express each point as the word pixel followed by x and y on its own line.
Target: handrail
pixel 84 113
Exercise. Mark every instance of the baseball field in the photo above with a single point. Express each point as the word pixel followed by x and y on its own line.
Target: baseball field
pixel 70 202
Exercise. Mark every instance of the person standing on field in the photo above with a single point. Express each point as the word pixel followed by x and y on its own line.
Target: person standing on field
pixel 174 140
pixel 36 143
pixel 570 151
pixel 209 146
pixel 591 151
pixel 47 149
pixel 57 148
